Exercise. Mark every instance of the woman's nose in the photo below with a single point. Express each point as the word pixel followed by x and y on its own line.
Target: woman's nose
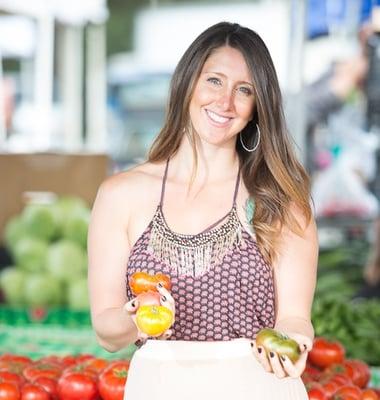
pixel 225 100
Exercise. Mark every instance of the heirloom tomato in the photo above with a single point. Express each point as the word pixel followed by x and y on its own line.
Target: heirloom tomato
pixel 141 282
pixel 283 345
pixel 154 320
pixel 325 353
pixel 112 381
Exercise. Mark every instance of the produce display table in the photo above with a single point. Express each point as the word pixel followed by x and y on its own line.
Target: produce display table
pixel 39 332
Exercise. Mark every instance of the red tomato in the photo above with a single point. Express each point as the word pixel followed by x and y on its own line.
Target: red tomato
pixel 341 379
pixel 34 371
pixel 325 353
pixel 361 373
pixel 369 394
pixel 15 358
pixel 317 394
pixel 347 391
pixel 95 364
pixel 77 386
pixel 330 388
pixel 31 391
pixel 112 381
pixel 49 385
pixel 6 376
pixel 9 391
pixel 81 369
pixel 80 358
pixel 141 282
pixel 68 360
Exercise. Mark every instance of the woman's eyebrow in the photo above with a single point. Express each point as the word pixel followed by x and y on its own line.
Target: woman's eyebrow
pixel 223 75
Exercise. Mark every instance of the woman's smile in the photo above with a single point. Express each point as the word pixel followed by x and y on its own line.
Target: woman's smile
pixel 217 119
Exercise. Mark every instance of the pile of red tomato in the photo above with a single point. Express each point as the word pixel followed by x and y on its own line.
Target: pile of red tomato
pixel 330 376
pixel 83 377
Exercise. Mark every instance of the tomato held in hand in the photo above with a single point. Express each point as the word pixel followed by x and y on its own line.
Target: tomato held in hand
pixel 154 320
pixel 112 381
pixel 325 353
pixel 141 282
pixel 279 343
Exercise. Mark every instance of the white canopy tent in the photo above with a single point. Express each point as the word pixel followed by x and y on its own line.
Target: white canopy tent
pixel 29 32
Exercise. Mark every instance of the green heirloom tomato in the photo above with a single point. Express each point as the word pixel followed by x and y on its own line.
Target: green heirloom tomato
pixel 279 343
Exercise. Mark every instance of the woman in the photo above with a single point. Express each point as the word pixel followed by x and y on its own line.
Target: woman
pixel 224 141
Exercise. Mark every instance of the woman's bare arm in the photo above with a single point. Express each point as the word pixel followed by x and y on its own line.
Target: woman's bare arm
pixel 108 251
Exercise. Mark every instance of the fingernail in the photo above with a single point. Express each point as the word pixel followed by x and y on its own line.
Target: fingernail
pixel 259 349
pixel 271 354
pixel 160 285
pixel 283 358
pixel 163 298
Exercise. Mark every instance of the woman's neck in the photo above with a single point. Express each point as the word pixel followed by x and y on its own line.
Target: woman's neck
pixel 214 163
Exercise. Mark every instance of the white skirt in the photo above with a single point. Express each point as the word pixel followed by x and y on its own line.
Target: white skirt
pixel 222 370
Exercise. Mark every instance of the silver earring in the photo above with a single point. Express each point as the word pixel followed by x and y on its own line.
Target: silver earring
pixel 257 143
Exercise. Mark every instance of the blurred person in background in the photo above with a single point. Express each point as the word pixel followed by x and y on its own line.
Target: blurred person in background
pixel 327 95
pixel 224 144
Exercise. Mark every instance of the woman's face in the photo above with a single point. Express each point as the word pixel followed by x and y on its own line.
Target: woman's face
pixel 223 100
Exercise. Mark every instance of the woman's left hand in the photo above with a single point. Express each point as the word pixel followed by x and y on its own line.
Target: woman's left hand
pixel 281 366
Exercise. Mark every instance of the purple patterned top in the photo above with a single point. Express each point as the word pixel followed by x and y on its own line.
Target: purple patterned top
pixel 232 298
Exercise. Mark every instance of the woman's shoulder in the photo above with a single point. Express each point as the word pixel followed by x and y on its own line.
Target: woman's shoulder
pixel 135 182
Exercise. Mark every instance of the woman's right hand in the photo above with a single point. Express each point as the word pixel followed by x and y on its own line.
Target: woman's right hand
pixel 166 300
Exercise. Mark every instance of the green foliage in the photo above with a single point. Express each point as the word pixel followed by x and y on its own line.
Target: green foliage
pixel 335 314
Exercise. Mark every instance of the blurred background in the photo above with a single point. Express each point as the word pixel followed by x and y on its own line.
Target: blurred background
pixel 83 91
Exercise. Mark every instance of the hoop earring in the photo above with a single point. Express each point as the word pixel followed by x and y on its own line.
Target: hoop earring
pixel 257 143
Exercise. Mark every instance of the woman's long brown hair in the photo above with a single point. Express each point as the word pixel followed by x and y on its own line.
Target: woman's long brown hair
pixel 272 174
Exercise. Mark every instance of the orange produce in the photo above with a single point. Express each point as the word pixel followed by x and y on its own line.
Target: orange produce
pixel 141 282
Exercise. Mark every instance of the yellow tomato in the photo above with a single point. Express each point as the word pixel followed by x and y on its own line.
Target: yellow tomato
pixel 154 320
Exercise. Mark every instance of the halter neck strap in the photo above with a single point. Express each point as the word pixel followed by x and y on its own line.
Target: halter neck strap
pixel 164 182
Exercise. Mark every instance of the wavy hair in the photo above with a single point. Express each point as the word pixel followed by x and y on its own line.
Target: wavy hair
pixel 272 174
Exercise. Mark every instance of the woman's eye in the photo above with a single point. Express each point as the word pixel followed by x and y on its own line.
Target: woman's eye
pixel 245 90
pixel 215 81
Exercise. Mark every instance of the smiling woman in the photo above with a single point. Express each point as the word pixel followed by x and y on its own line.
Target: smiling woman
pixel 182 214
pixel 223 101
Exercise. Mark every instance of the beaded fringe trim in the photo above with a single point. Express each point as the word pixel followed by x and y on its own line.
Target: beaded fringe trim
pixel 193 254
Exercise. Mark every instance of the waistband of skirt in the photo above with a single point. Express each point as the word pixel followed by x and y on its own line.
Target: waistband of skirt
pixel 192 350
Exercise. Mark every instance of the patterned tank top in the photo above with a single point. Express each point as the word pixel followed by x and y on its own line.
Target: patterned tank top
pixel 221 284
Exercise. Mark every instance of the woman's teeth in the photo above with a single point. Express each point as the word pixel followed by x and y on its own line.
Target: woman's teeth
pixel 217 118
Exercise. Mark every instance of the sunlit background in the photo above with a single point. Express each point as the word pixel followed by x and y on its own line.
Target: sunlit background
pixel 83 92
